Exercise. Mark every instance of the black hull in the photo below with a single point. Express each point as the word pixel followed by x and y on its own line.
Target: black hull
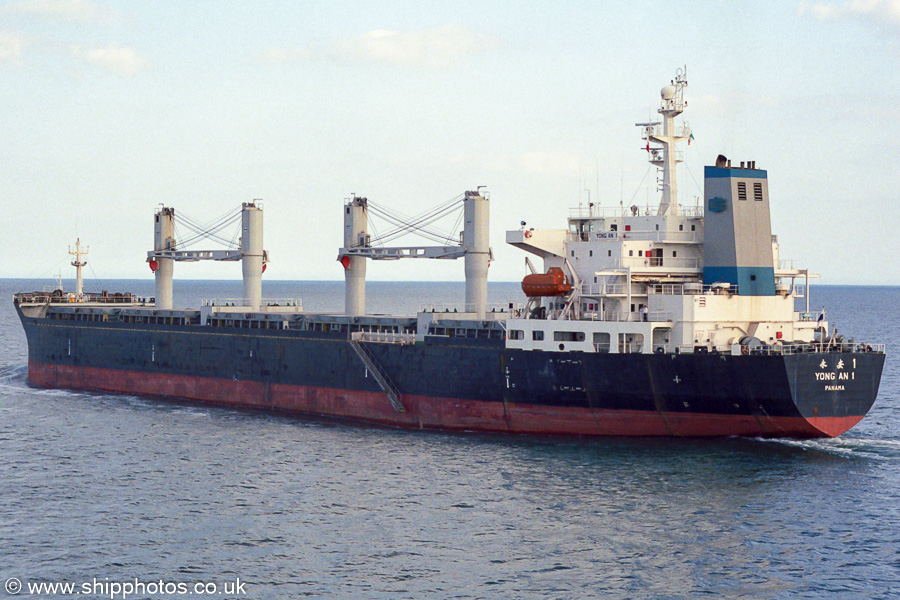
pixel 464 384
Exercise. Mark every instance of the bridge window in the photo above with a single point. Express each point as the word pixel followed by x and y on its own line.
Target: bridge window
pixel 516 334
pixel 537 335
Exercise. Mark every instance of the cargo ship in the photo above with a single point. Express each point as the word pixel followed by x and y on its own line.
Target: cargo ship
pixel 664 321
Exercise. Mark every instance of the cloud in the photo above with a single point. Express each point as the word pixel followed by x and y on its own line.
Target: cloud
pixel 437 48
pixel 67 11
pixel 122 61
pixel 11 46
pixel 880 12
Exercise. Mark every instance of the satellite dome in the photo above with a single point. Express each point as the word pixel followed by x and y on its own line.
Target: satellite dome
pixel 667 92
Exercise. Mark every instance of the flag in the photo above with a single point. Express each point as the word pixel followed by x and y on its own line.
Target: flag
pixel 690 138
pixel 648 145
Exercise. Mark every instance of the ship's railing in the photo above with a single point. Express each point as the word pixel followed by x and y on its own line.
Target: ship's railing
pixel 501 307
pixel 678 289
pixel 66 298
pixel 629 234
pixel 656 316
pixel 658 261
pixel 788 349
pixel 657 129
pixel 243 302
pixel 668 289
pixel 600 212
pixel 825 348
pixel 384 337
pixel 786 264
pixel 810 316
pixel 611 289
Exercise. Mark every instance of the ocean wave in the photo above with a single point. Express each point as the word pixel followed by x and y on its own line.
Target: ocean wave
pixel 13 372
pixel 851 447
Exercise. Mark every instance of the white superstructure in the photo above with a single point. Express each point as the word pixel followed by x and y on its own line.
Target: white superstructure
pixel 677 279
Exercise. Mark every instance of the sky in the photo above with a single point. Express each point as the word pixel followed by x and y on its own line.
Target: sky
pixel 109 109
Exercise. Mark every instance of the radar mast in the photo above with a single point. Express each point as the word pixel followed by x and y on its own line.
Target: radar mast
pixel 667 156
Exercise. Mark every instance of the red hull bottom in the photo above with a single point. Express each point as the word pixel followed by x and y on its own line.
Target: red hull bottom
pixel 429 412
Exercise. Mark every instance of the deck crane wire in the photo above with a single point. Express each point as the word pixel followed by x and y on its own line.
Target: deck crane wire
pixel 455 227
pixel 403 227
pixel 422 219
pixel 211 230
pixel 214 225
pixel 402 224
pixel 419 225
pixel 216 236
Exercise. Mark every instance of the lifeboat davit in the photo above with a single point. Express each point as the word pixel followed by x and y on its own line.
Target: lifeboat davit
pixel 551 283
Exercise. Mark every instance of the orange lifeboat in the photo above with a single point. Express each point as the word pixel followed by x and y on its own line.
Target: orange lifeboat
pixel 551 283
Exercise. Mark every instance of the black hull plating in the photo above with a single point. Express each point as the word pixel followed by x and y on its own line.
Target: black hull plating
pixel 802 386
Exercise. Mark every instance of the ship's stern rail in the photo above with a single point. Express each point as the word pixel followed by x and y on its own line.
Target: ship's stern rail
pixel 778 349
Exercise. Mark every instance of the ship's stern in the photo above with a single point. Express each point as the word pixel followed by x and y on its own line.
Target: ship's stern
pixel 833 391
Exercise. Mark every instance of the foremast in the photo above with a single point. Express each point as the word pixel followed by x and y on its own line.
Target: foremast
pixel 78 264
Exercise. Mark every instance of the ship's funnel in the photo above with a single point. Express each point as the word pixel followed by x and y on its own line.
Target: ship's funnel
pixel 737 235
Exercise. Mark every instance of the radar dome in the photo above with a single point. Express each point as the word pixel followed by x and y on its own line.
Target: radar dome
pixel 667 92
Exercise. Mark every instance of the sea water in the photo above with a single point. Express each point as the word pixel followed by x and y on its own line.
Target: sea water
pixel 111 491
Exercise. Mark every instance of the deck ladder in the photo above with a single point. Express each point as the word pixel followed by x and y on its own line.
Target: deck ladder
pixel 380 376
